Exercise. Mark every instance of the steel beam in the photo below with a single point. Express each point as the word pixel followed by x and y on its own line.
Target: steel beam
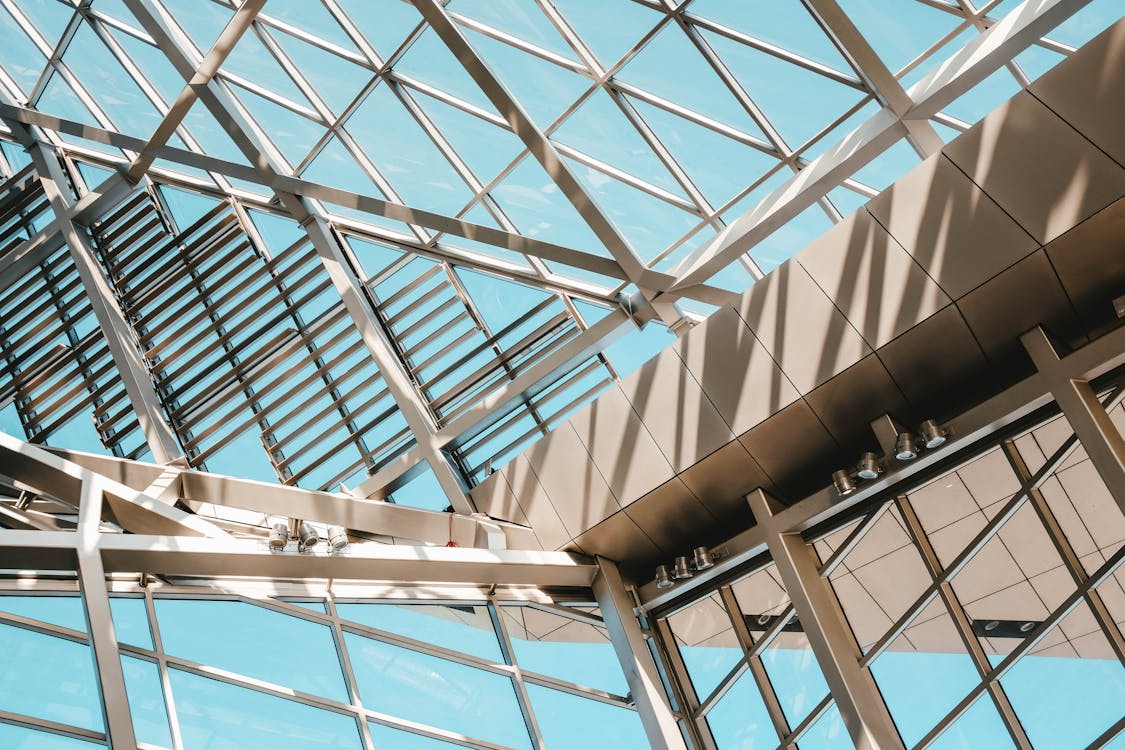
pixel 645 686
pixel 861 706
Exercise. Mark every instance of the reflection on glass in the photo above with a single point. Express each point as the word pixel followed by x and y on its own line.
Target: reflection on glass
pixel 795 675
pixel 740 720
pixel 461 628
pixel 146 701
pixel 214 714
pixel 567 649
pixel 418 687
pixel 568 721
pixel 49 678
pixel 253 641
pixel 21 738
pixel 130 621
pixel 707 643
pixel 57 610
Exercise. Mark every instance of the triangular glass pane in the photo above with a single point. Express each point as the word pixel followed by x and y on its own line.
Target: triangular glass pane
pixel 50 17
pixel 159 72
pixel 19 57
pixel 398 147
pixel 334 166
pixel 57 610
pixel 719 166
pixel 203 22
pixel 110 85
pixel 542 88
pixel 538 208
pixel 59 99
pixel 499 301
pixel 647 223
pixel 600 129
pixel 430 61
pixel 312 18
pixel 986 96
pixel 186 206
pixel 520 19
pixel 705 639
pixel 690 82
pixel 211 136
pixel 610 29
pixel 478 214
pixel 938 57
pixel 900 31
pixel 335 80
pixel 772 83
pixel 384 23
pixel 888 166
pixel 293 134
pixel 783 23
pixel 252 61
pixel 486 148
pixel 560 647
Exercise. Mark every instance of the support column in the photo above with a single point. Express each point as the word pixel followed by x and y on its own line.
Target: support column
pixel 857 697
pixel 1088 418
pixel 640 670
pixel 99 621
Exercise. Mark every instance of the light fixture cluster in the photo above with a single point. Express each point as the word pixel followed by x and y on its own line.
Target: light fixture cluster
pixel 684 567
pixel 930 435
pixel 306 535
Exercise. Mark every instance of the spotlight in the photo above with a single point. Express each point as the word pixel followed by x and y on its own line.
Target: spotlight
pixel 682 569
pixel 337 537
pixel 868 467
pixel 702 559
pixel 906 449
pixel 663 580
pixel 306 536
pixel 932 434
pixel 1027 627
pixel 279 535
pixel 843 482
pixel 991 625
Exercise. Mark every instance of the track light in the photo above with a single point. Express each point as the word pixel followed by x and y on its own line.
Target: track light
pixel 868 466
pixel 843 482
pixel 906 449
pixel 337 537
pixel 279 535
pixel 701 558
pixel 663 580
pixel 307 537
pixel 932 434
pixel 682 569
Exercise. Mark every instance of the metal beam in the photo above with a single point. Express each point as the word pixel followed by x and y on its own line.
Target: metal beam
pixel 645 686
pixel 861 706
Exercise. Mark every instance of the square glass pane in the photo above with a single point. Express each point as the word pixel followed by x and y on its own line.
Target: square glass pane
pixel 57 610
pixel 253 641
pixel 49 678
pixel 467 628
pixel 22 738
pixel 568 720
pixel 417 687
pixel 146 701
pixel 130 621
pixel 215 714
pixel 567 649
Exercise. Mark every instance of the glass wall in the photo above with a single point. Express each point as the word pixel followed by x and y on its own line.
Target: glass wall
pixel 205 671
pixel 986 605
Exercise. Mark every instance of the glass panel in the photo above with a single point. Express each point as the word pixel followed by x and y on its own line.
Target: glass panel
pixel 214 714
pixel 130 621
pixel 253 641
pixel 57 610
pixel 387 738
pixel 707 643
pixel 465 628
pixel 740 720
pixel 49 678
pixel 827 733
pixel 569 721
pixel 980 726
pixel 563 648
pixel 418 687
pixel 146 701
pixel 795 675
pixel 21 738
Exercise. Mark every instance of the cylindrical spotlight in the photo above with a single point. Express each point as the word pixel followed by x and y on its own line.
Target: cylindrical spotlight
pixel 337 537
pixel 868 466
pixel 279 535
pixel 843 482
pixel 682 568
pixel 307 536
pixel 701 558
pixel 932 434
pixel 906 449
pixel 663 580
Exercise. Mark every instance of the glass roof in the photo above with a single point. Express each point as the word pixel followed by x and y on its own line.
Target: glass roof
pixel 495 172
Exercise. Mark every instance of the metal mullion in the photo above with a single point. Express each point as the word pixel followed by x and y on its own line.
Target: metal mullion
pixel 346 670
pixel 315 442
pixel 1033 638
pixel 588 393
pixel 162 667
pixel 449 348
pixel 962 624
pixel 52 727
pixel 1066 551
pixel 366 462
pixel 463 315
pixel 439 309
pixel 854 538
pixel 294 73
pixel 422 647
pixel 576 689
pixel 418 304
pixel 425 276
pixel 235 429
pixel 682 687
pixel 982 537
pixel 44 628
pixel 929 51
pixel 625 177
pixel 520 44
pixel 1109 735
pixel 55 56
pixel 500 631
pixel 775 51
pixel 271 96
pixel 812 718
pixel 379 277
pixel 753 661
